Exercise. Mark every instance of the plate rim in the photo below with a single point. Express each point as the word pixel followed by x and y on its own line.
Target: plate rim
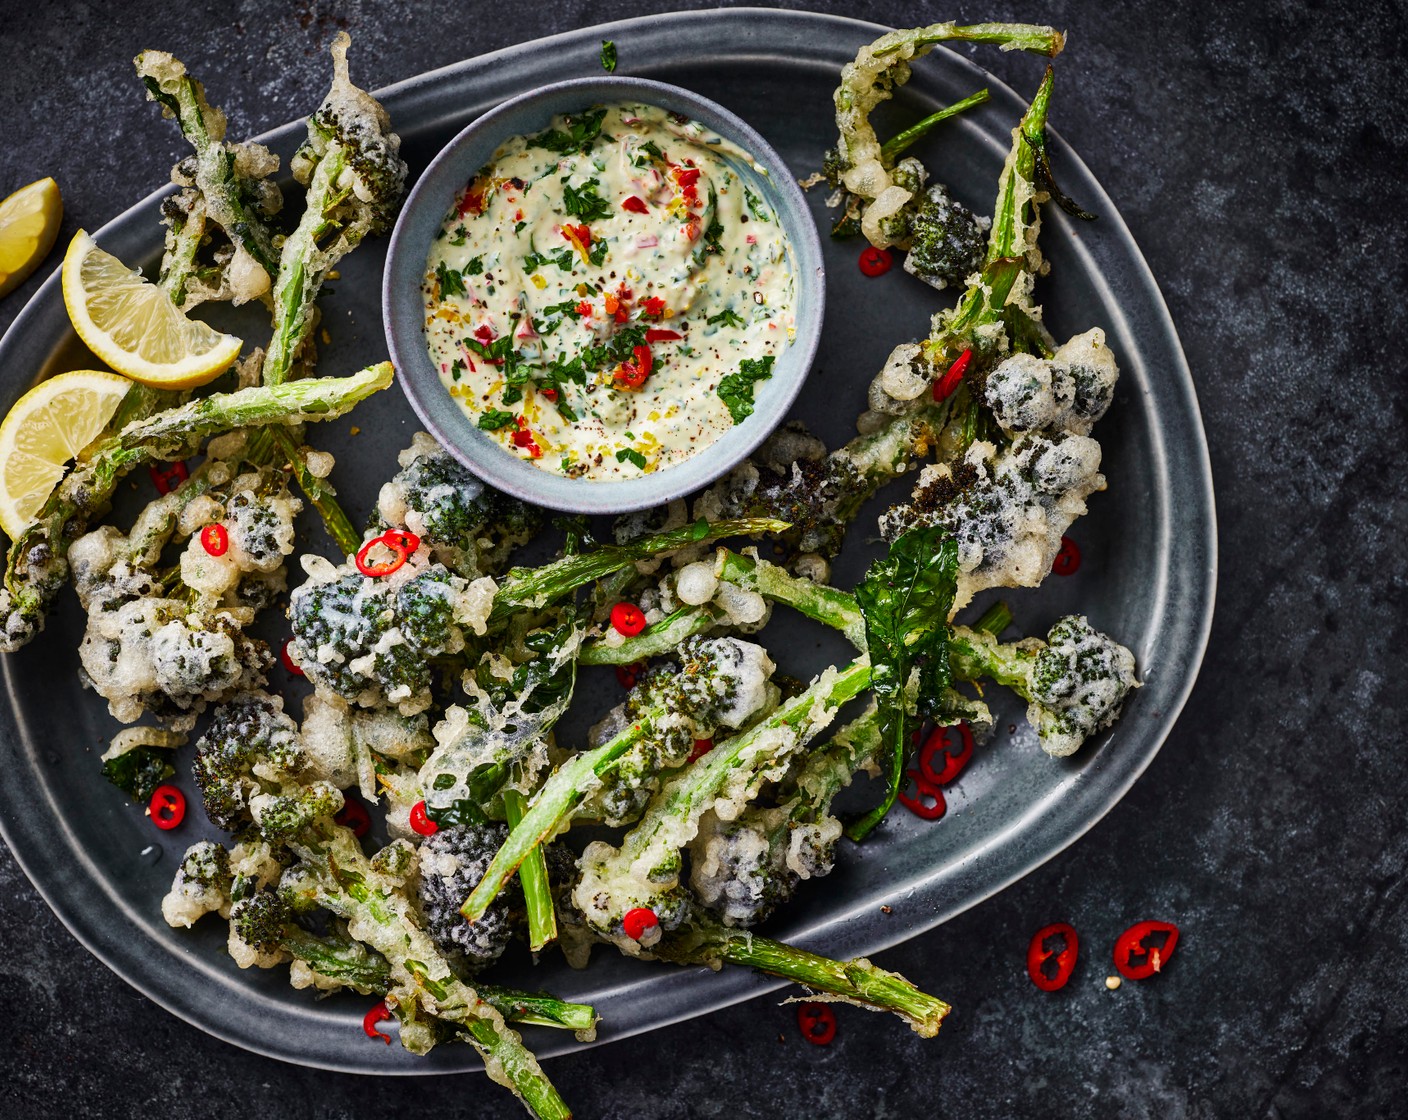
pixel 735 985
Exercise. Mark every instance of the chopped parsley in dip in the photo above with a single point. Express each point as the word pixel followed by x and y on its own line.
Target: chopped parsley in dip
pixel 606 296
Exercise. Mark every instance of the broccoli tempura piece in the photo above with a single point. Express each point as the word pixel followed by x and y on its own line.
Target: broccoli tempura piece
pixel 1076 681
pixel 370 640
pixel 1007 508
pixel 202 885
pixel 354 176
pixel 869 80
pixel 470 527
pixel 226 187
pixel 251 746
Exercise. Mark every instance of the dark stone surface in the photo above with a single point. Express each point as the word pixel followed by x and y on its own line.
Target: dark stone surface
pixel 1256 151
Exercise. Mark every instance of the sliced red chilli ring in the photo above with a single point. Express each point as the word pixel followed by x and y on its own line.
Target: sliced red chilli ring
pixel 627 619
pixel 420 821
pixel 875 262
pixel 379 1013
pixel 817 1022
pixel 167 807
pixel 167 476
pixel 929 804
pixel 940 741
pixel 1048 967
pixel 638 921
pixel 1131 944
pixel 215 539
pixel 288 662
pixel 1067 561
pixel 354 815
pixel 949 382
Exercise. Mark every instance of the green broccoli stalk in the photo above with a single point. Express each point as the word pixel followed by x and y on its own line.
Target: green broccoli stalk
pixel 533 876
pixel 229 180
pixel 855 981
pixel 335 874
pixel 266 921
pixel 656 640
pixel 537 587
pixel 898 144
pixel 354 176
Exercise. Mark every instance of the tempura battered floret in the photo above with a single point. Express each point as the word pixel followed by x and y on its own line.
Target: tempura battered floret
pixel 469 527
pixel 371 640
pixel 1006 508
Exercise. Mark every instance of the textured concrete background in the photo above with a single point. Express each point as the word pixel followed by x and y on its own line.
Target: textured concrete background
pixel 1256 151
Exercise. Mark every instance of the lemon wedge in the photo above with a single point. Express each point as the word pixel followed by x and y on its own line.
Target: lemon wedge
pixel 48 426
pixel 29 222
pixel 134 327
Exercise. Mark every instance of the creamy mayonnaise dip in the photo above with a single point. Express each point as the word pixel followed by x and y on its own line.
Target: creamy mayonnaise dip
pixel 605 295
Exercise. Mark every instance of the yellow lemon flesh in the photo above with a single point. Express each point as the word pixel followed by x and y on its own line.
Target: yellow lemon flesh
pixel 29 222
pixel 133 326
pixel 48 426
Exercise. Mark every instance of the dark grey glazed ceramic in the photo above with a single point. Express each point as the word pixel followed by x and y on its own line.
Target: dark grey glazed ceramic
pixel 403 307
pixel 1147 577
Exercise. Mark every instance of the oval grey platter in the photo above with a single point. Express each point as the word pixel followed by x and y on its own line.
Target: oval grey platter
pixel 1148 545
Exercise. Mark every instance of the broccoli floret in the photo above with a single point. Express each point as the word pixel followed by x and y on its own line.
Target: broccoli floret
pixel 744 869
pixel 469 526
pixel 1078 684
pixel 351 126
pixel 202 885
pixel 261 529
pixel 371 641
pixel 1007 509
pixel 1067 392
pixel 452 862
pixel 280 816
pixel 715 684
pixel 1075 681
pixel 793 479
pixel 250 741
pixel 260 920
pixel 158 655
pixel 946 239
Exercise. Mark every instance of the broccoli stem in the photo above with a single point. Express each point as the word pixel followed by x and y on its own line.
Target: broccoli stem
pixel 303 266
pixel 538 1010
pixel 855 981
pixel 533 876
pixel 183 97
pixel 343 881
pixel 1011 244
pixel 656 640
pixel 976 653
pixel 563 791
pixel 320 494
pixel 894 147
pixel 1030 37
pixel 537 587
pixel 825 604
pixel 995 619
pixel 178 429
pixel 368 972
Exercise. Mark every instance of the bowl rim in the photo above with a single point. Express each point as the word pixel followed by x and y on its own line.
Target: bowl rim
pixel 403 311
